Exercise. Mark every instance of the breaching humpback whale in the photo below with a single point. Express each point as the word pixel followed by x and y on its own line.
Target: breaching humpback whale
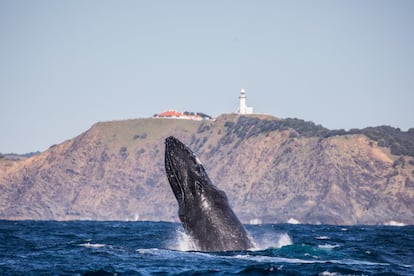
pixel 202 208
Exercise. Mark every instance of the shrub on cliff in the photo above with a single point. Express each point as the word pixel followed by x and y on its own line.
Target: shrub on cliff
pixel 400 142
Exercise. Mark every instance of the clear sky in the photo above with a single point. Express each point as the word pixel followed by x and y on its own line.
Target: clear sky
pixel 65 65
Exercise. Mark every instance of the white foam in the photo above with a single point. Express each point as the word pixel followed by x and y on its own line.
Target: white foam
pixel 275 240
pixel 327 273
pixel 92 245
pixel 328 246
pixel 293 221
pixel 273 259
pixel 182 242
pixel 322 238
pixel 156 252
pixel 147 250
pixel 136 217
pixel 255 221
pixel 284 240
pixel 356 262
pixel 302 261
pixel 394 223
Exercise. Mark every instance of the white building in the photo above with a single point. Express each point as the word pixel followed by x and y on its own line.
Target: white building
pixel 243 108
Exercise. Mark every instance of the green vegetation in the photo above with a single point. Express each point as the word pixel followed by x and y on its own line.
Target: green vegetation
pixel 15 156
pixel 140 136
pixel 246 127
pixel 399 142
pixel 139 153
pixel 123 151
pixel 400 162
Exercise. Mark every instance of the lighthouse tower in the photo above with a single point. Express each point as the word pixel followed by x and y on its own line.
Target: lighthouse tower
pixel 243 108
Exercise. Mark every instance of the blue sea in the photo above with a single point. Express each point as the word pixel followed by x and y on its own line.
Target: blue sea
pixel 162 248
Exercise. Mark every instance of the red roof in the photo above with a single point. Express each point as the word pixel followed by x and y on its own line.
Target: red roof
pixel 170 113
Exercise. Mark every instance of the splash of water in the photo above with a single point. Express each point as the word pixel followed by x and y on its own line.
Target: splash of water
pixel 272 240
pixel 182 242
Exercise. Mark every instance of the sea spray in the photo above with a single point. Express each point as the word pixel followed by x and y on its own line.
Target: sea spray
pixel 272 240
pixel 182 241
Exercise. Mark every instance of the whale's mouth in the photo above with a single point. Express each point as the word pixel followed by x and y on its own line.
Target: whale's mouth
pixel 173 147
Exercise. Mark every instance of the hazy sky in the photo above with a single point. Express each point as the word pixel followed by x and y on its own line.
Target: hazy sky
pixel 65 65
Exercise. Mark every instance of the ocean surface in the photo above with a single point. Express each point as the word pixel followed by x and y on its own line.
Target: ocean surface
pixel 162 248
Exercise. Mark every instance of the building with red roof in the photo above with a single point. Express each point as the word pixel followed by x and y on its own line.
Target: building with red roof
pixel 173 114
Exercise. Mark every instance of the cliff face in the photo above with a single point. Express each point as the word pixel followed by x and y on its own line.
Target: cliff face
pixel 271 172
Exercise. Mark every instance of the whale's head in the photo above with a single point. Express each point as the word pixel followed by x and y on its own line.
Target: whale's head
pixel 189 181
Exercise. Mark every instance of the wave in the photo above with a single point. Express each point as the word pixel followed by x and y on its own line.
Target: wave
pixel 92 245
pixel 322 238
pixel 394 223
pixel 328 246
pixel 279 260
pixel 271 240
pixel 251 256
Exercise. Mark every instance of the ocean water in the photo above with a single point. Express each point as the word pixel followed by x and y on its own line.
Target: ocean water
pixel 162 248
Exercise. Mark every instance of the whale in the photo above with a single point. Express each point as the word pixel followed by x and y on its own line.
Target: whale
pixel 203 209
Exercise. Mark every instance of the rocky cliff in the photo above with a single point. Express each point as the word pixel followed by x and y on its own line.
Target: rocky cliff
pixel 272 170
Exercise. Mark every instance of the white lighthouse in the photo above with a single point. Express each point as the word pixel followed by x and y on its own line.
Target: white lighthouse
pixel 243 108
